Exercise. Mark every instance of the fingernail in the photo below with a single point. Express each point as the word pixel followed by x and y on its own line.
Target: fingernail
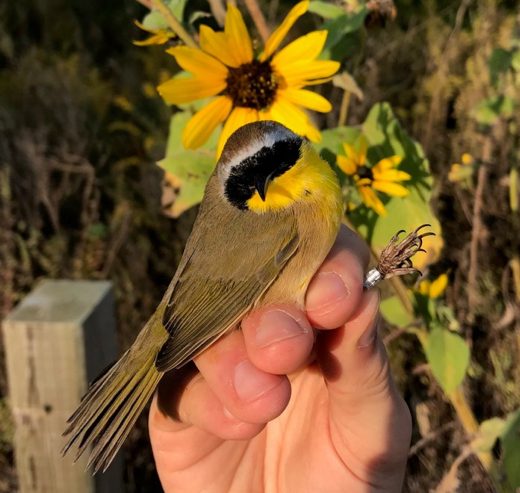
pixel 276 326
pixel 368 337
pixel 329 291
pixel 251 383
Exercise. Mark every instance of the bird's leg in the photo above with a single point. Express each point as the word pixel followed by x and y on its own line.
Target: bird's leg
pixel 395 259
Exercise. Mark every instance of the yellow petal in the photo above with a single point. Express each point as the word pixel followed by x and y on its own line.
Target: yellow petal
pixel 467 159
pixel 350 152
pixel 424 287
pixel 202 124
pixel 317 82
pixel 346 165
pixel 370 199
pixel 438 286
pixel 199 63
pixel 393 189
pixel 238 117
pixel 217 44
pixel 301 73
pixel 281 31
pixel 158 38
pixel 390 175
pixel 454 173
pixel 307 99
pixel 388 163
pixel 294 118
pixel 178 91
pixel 237 36
pixel 305 48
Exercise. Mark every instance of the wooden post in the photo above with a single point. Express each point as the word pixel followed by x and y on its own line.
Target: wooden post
pixel 56 341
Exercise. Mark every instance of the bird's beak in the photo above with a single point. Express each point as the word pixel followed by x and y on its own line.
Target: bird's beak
pixel 262 184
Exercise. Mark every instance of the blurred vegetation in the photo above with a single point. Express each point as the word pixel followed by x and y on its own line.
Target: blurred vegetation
pixel 81 196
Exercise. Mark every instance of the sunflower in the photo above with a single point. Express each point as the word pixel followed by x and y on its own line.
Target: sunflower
pixel 245 88
pixel 382 177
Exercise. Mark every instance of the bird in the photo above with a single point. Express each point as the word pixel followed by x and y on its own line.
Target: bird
pixel 270 214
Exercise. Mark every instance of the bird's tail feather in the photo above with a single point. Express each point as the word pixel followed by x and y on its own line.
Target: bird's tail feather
pixel 110 408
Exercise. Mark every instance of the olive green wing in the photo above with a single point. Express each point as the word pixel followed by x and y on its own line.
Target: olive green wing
pixel 226 270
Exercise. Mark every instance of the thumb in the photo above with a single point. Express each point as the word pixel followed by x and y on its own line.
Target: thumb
pixel 369 420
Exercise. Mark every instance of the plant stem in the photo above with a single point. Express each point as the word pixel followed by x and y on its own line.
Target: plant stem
pixel 218 10
pixel 258 19
pixel 174 23
pixel 343 109
pixel 471 426
pixel 400 290
pixel 476 230
pixel 475 239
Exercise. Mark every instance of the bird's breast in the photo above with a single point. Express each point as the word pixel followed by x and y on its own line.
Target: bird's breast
pixel 318 226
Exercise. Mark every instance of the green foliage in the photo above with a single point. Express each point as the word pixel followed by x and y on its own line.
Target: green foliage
pixel 488 111
pixel 340 28
pixel 395 313
pixel 154 20
pixel 499 63
pixel 448 355
pixel 189 170
pixel 488 433
pixel 500 104
pixel 325 9
pixel 510 438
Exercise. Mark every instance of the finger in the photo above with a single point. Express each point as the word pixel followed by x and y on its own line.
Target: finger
pixel 248 393
pixel 278 339
pixel 196 405
pixel 364 402
pixel 336 289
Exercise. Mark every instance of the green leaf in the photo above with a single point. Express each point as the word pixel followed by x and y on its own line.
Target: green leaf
pixel 333 139
pixel 343 25
pixel 499 62
pixel 511 449
pixel 394 312
pixel 489 110
pixel 330 146
pixel 515 60
pixel 190 169
pixel 448 355
pixel 177 7
pixel 154 21
pixel 325 9
pixel 488 433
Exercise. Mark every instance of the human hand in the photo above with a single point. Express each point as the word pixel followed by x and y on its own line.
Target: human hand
pixel 279 407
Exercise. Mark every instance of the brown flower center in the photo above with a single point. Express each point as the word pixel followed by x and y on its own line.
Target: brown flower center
pixel 365 172
pixel 252 85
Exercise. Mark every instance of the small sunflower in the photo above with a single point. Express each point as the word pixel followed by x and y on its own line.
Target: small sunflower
pixel 434 289
pixel 462 171
pixel 247 88
pixel 381 177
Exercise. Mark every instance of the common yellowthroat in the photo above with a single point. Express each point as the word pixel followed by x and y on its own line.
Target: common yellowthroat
pixel 270 214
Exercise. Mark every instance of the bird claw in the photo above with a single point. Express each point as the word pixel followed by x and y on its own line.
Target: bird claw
pixel 395 259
